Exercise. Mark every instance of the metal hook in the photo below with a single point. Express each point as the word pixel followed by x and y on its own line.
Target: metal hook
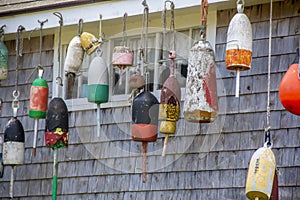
pixel 2 30
pixel 59 15
pixel 80 26
pixel 59 81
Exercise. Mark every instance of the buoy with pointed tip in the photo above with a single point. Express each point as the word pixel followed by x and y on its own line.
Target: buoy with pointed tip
pixel 169 107
pixel 261 174
pixel 289 87
pixel 38 103
pixel 239 44
pixel 98 89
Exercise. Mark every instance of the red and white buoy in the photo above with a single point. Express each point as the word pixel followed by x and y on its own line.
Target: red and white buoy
pixel 201 99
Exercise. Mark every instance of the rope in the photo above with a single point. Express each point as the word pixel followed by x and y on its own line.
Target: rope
pixel 124 30
pixel 204 13
pixel 144 35
pixel 41 38
pixel 172 24
pixel 61 22
pixel 267 130
pixel 19 50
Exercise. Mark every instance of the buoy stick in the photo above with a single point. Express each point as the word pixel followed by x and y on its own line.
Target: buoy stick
pixel 144 161
pixel 165 145
pixel 98 120
pixel 237 85
pixel 11 188
pixel 36 121
pixel 55 169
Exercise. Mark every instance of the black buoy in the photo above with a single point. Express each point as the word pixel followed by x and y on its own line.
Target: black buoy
pixel 57 124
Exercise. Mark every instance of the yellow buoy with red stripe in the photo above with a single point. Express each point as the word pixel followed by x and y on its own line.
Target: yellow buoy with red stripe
pixel 261 174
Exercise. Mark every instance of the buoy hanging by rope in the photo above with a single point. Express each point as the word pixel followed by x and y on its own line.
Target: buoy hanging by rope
pixel 239 44
pixel 122 55
pixel 169 107
pixel 38 94
pixel 289 88
pixel 3 55
pixel 98 89
pixel 262 167
pixel 57 122
pixel 89 42
pixel 261 174
pixel 73 60
pixel 201 99
pixel 145 109
pixel 1 157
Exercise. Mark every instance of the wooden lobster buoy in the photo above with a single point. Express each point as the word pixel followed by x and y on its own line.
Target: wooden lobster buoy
pixel 13 147
pixel 38 103
pixel 239 44
pixel 201 99
pixel 56 133
pixel 169 107
pixel 261 174
pixel 57 124
pixel 289 87
pixel 145 108
pixel 98 89
pixel 75 53
pixel 89 42
pixel 3 56
pixel 1 157
pixel 122 55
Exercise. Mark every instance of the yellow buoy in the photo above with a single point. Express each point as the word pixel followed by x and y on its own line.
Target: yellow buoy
pixel 261 174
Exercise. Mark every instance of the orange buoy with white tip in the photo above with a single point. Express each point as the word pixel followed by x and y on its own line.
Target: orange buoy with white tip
pixel 289 87
pixel 261 174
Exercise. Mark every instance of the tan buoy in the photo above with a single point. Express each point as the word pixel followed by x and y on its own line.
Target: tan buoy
pixel 261 174
pixel 239 44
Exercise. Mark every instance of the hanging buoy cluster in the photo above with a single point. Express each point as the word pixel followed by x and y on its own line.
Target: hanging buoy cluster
pixel 289 87
pixel 201 99
pixel 3 55
pixel 239 44
pixel 261 174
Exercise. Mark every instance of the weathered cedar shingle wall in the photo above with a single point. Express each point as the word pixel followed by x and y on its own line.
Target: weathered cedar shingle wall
pixel 207 161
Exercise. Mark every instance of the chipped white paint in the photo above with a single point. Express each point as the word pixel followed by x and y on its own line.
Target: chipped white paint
pixel 74 56
pixel 13 153
pixel 200 95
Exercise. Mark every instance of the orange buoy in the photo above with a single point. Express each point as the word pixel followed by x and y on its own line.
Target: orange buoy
pixel 289 88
